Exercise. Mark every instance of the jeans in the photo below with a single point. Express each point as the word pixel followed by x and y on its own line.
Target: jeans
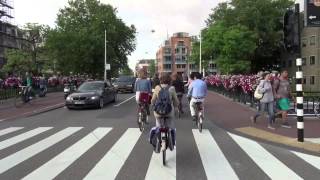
pixel 270 109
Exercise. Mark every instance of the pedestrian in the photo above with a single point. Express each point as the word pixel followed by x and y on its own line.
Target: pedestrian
pixel 178 84
pixel 143 90
pixel 283 95
pixel 155 81
pixel 267 100
pixel 165 81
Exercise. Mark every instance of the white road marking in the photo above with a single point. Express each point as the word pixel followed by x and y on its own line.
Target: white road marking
pixel 56 165
pixel 9 130
pixel 313 160
pixel 313 140
pixel 125 101
pixel 157 171
pixel 21 137
pixel 24 154
pixel 109 166
pixel 214 162
pixel 274 168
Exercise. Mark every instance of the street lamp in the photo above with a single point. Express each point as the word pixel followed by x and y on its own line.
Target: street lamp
pixel 105 55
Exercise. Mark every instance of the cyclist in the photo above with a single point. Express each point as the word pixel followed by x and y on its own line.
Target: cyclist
pixel 143 91
pixel 197 92
pixel 178 84
pixel 29 86
pixel 165 81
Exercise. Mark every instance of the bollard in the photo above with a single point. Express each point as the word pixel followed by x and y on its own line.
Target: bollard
pixel 299 82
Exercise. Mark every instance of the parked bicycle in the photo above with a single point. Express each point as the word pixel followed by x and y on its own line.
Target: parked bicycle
pixel 317 109
pixel 199 115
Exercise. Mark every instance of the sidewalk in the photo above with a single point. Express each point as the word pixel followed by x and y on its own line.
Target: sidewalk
pixel 50 101
pixel 234 116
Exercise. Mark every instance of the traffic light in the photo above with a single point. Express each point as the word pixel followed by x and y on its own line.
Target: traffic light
pixel 291 31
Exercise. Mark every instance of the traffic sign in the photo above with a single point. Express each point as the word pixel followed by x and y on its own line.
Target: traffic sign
pixel 107 67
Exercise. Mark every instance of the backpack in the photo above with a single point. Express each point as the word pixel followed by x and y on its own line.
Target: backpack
pixel 155 139
pixel 162 106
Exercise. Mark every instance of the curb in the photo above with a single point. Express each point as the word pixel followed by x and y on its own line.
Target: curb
pixel 35 112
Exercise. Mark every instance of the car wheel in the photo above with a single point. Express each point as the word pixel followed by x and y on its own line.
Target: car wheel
pixel 101 103
pixel 69 108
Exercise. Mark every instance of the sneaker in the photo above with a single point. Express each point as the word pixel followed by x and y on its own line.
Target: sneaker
pixel 271 127
pixel 285 125
pixel 253 119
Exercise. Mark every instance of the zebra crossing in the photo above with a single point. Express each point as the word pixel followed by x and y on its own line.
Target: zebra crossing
pixel 215 163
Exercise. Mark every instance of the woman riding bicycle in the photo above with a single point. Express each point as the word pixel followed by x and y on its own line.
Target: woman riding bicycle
pixel 165 81
pixel 143 91
pixel 178 84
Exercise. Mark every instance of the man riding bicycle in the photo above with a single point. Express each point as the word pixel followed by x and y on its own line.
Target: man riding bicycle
pixel 197 92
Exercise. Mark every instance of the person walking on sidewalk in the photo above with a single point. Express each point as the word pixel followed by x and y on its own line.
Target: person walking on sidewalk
pixel 283 95
pixel 267 101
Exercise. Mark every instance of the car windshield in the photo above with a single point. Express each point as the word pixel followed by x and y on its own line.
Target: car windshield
pixel 125 79
pixel 92 86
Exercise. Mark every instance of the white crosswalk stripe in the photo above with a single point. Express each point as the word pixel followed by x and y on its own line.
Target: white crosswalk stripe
pixel 215 162
pixel 22 137
pixel 109 166
pixel 9 130
pixel 24 154
pixel 157 171
pixel 56 165
pixel 274 168
pixel 313 160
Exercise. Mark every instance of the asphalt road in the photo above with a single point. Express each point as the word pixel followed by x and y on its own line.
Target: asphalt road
pixel 107 144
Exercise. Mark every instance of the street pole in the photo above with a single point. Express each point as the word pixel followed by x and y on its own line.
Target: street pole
pixel 105 55
pixel 200 65
pixel 299 89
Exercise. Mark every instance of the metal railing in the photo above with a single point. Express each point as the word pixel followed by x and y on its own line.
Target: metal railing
pixel 311 99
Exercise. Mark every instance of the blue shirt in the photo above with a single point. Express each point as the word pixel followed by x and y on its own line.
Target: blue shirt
pixel 197 89
pixel 143 85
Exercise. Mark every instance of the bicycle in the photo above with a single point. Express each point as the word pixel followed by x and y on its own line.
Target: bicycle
pixel 24 94
pixel 165 143
pixel 199 115
pixel 142 116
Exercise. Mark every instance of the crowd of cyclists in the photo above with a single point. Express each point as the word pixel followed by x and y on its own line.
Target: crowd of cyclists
pixel 150 89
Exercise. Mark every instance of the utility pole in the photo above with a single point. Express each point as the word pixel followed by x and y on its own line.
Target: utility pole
pixel 105 55
pixel 200 64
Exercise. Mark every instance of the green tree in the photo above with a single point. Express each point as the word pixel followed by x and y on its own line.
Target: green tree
pixel 152 68
pixel 77 42
pixel 263 18
pixel 19 61
pixel 126 71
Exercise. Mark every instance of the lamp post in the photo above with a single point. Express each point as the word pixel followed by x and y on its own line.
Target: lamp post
pixel 105 55
pixel 200 64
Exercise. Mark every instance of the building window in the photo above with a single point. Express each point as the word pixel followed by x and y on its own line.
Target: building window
pixel 180 43
pixel 183 66
pixel 183 50
pixel 312 40
pixel 183 58
pixel 312 79
pixel 304 42
pixel 212 66
pixel 168 51
pixel 178 58
pixel 178 66
pixel 304 61
pixel 304 80
pixel 177 50
pixel 290 63
pixel 167 66
pixel 192 66
pixel 312 60
pixel 168 58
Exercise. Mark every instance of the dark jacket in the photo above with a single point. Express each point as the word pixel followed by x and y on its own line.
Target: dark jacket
pixel 178 85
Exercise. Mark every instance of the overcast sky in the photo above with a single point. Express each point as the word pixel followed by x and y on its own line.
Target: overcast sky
pixel 163 16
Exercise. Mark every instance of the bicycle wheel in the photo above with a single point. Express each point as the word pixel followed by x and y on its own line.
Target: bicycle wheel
pixel 164 157
pixel 200 123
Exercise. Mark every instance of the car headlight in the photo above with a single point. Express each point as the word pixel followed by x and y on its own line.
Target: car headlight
pixel 94 97
pixel 66 90
pixel 68 98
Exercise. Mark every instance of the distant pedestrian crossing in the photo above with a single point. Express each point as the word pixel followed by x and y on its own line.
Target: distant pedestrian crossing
pixel 215 163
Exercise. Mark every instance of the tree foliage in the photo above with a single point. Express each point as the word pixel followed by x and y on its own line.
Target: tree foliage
pixel 32 54
pixel 245 35
pixel 77 42
pixel 152 68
